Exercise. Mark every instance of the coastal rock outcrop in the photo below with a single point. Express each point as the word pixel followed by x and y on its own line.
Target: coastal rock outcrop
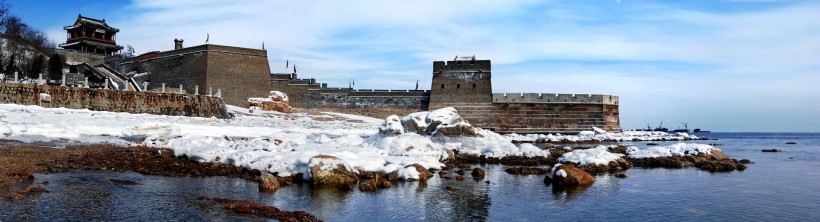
pixel 596 160
pixel 681 155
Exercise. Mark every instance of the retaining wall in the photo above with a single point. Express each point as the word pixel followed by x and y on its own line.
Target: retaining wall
pixel 114 101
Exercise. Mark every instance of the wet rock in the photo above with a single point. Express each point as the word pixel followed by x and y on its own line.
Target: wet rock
pixel 611 167
pixel 718 166
pixel 460 177
pixel 745 161
pixel 251 208
pixel 567 175
pixel 477 173
pixel 791 143
pixel 379 181
pixel 617 149
pixel 450 188
pixel 463 166
pixel 771 150
pixel 123 182
pixel 268 183
pixel 338 174
pixel 547 180
pixel 622 175
pixel 526 170
pixel 442 173
pixel 423 172
pixel 36 189
pixel 741 167
pixel 460 172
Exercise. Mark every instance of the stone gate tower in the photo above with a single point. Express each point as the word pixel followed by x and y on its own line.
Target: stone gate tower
pixel 462 81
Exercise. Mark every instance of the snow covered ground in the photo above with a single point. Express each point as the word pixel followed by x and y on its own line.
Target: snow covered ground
pixel 280 143
pixel 286 144
pixel 600 135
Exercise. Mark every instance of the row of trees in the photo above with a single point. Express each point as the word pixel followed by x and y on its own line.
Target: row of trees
pixel 14 27
pixel 23 51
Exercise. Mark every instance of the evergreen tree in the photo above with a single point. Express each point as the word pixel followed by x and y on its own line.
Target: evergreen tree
pixel 56 63
pixel 11 66
pixel 36 67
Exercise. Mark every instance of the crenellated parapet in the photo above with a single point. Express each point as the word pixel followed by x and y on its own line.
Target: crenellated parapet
pixel 555 98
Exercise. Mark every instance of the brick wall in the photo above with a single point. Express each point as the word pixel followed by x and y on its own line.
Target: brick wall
pixel 461 82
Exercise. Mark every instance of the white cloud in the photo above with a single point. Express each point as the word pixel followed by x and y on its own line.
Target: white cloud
pixel 665 62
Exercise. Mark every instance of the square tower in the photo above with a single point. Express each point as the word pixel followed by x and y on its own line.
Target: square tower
pixel 461 81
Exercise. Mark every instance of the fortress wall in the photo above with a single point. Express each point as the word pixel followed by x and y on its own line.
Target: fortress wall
pixel 553 117
pixel 461 82
pixel 114 101
pixel 239 73
pixel 554 98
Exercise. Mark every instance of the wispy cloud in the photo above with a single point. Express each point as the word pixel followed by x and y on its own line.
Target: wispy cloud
pixel 723 64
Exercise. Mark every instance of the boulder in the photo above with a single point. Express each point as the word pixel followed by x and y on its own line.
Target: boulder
pixel 392 126
pixel 460 177
pixel 622 175
pixel 423 172
pixel 567 175
pixel 276 101
pixel 458 129
pixel 329 170
pixel 745 161
pixel 379 181
pixel 477 173
pixel 718 155
pixel 268 183
pixel 415 123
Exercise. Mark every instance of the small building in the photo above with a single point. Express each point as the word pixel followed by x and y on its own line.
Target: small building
pixel 91 36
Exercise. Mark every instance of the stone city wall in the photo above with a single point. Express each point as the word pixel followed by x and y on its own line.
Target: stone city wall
pixel 113 100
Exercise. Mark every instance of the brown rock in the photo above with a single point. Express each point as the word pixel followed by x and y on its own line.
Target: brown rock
pixel 745 161
pixel 526 170
pixel 423 172
pixel 573 176
pixel 339 176
pixel 741 167
pixel 16 196
pixel 718 155
pixel 460 177
pixel 477 173
pixel 268 183
pixel 622 175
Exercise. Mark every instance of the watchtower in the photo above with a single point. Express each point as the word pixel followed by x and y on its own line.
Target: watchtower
pixel 461 81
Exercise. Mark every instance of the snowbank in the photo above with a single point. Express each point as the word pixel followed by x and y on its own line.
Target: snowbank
pixel 678 149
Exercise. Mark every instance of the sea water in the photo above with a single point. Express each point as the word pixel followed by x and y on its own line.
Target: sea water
pixel 780 186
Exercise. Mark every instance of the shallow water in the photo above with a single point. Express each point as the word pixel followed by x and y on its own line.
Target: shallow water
pixel 777 186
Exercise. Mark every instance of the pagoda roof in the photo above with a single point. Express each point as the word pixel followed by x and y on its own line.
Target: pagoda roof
pixel 101 45
pixel 91 22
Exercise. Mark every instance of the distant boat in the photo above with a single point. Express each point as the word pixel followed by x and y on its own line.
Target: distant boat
pixel 697 130
pixel 660 128
pixel 684 130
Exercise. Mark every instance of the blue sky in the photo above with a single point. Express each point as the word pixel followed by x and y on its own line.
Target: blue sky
pixel 732 65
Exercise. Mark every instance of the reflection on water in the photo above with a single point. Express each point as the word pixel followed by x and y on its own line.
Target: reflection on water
pixel 773 188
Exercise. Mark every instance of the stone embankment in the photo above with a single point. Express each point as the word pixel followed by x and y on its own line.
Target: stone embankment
pixel 113 100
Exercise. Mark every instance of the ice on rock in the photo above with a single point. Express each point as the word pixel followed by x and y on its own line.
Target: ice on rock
pixel 593 156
